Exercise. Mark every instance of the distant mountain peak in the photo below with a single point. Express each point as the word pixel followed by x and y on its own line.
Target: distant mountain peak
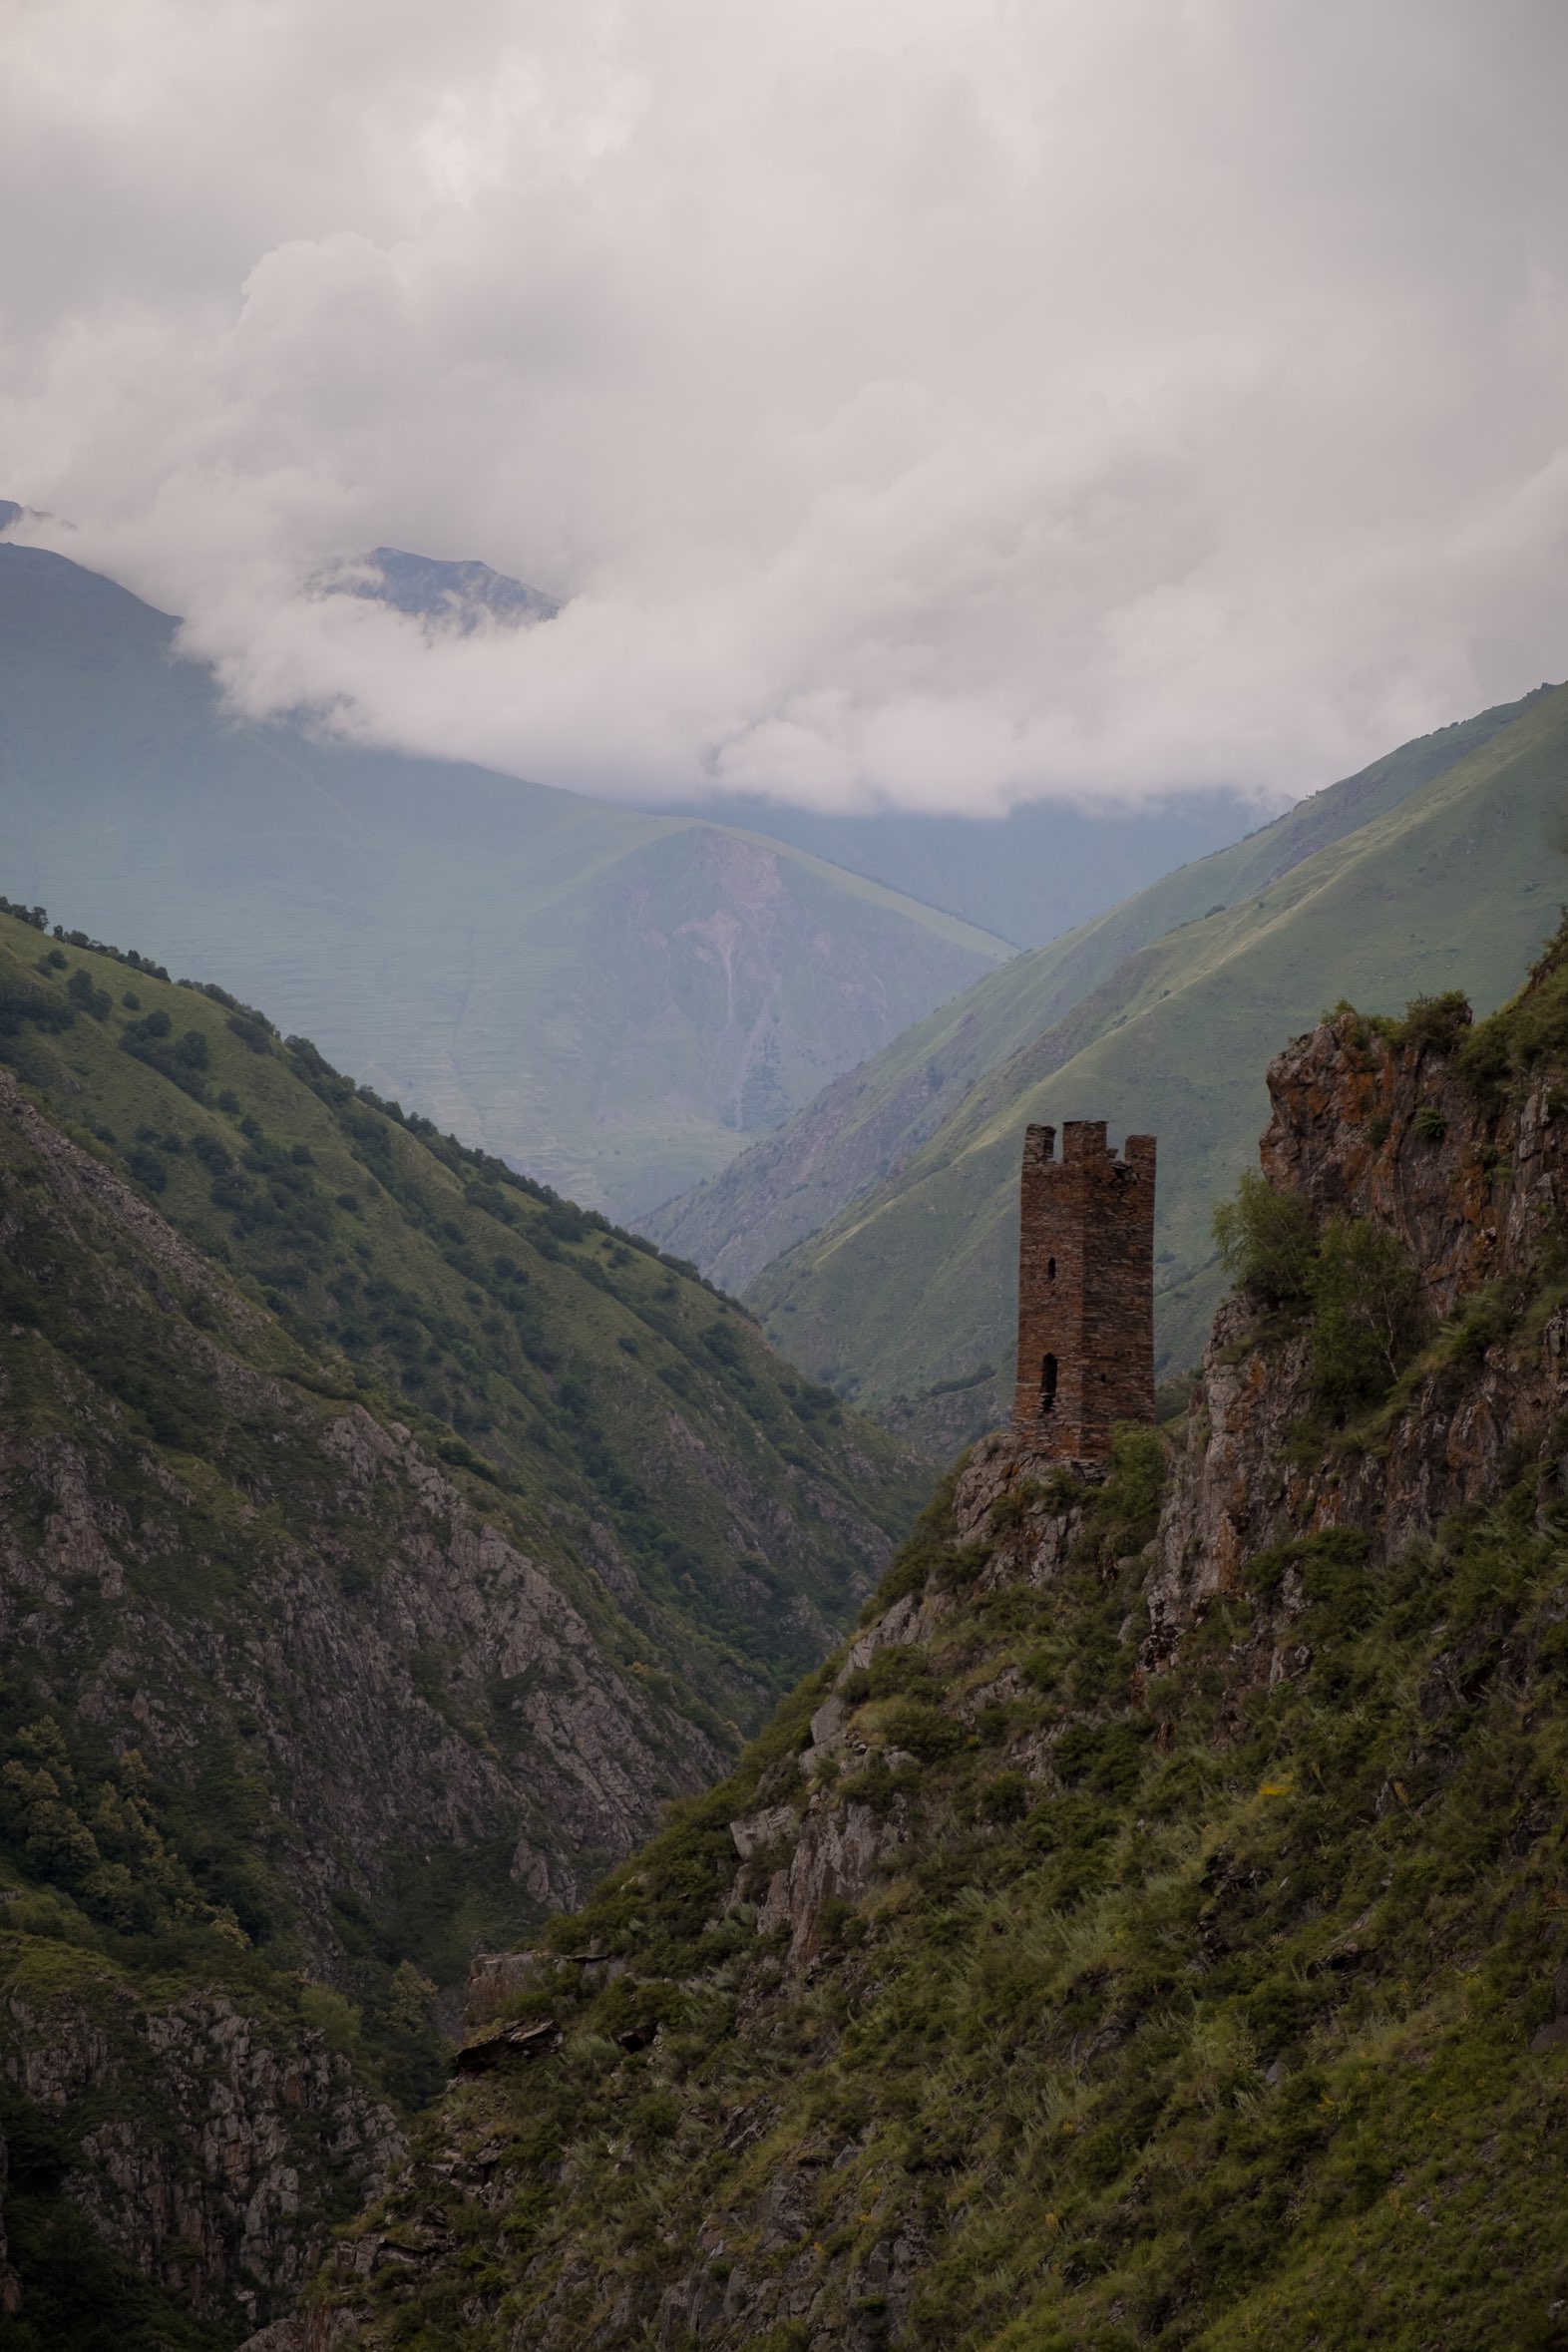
pixel 432 590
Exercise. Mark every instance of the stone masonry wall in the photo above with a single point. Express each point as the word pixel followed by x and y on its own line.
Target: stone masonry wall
pixel 1085 1290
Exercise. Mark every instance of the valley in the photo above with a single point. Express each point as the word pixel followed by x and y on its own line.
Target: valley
pixel 500 1839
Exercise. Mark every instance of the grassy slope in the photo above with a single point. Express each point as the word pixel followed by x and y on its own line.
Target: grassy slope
pixel 609 997
pixel 502 1323
pixel 1451 887
pixel 867 1122
pixel 1217 2026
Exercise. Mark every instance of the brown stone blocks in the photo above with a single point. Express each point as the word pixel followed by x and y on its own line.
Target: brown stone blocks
pixel 1085 1290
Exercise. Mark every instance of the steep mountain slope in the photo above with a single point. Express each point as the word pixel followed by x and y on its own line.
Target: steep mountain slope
pixel 632 1419
pixel 1149 1931
pixel 913 1286
pixel 1028 875
pixel 611 999
pixel 868 1122
pixel 381 1542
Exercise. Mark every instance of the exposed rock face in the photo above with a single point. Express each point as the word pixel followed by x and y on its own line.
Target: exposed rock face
pixel 9 2287
pixel 335 1678
pixel 1394 1137
pixel 213 2149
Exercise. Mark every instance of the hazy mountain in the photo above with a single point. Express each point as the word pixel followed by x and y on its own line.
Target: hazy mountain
pixel 1438 869
pixel 459 593
pixel 611 999
pixel 1028 875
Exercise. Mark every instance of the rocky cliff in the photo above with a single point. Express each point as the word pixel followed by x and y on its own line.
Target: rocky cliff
pixel 182 2149
pixel 1151 1928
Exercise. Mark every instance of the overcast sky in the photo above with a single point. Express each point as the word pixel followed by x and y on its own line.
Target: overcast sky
pixel 935 403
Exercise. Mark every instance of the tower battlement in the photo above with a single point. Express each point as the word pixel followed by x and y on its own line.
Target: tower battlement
pixel 1086 1289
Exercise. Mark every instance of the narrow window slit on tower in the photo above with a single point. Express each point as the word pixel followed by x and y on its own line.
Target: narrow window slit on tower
pixel 1048 1384
pixel 1050 1270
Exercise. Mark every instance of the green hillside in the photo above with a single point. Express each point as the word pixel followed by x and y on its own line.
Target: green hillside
pixel 1148 1934
pixel 867 1123
pixel 633 1417
pixel 613 1000
pixel 913 1286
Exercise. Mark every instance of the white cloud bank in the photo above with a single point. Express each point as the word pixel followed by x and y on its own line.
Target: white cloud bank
pixel 926 403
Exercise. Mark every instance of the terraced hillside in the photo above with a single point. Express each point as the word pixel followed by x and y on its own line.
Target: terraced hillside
pixel 614 1001
pixel 911 1287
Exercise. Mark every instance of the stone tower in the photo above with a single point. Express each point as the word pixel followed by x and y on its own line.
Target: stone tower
pixel 1085 1290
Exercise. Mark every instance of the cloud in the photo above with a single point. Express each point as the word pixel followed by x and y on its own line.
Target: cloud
pixel 924 403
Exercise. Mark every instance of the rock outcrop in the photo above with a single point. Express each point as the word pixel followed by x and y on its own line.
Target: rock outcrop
pixel 212 2146
pixel 10 2284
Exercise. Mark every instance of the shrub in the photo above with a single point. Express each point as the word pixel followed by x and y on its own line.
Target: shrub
pixel 1265 1239
pixel 1434 1024
pixel 914 1724
pixel 1004 1798
pixel 85 997
pixel 148 1169
pixel 1369 1314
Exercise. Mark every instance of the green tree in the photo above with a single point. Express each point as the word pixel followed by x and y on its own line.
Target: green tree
pixel 1266 1239
pixel 1370 1312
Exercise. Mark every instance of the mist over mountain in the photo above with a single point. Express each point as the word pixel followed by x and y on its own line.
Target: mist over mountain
pixel 610 1000
pixel 602 1746
pixel 460 594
